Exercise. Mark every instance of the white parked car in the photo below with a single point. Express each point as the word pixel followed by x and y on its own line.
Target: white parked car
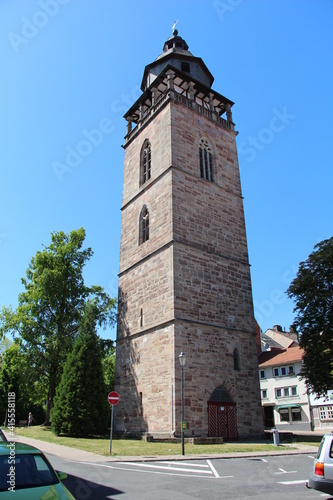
pixel 321 476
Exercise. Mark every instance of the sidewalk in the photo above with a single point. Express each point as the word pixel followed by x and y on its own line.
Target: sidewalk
pixel 67 453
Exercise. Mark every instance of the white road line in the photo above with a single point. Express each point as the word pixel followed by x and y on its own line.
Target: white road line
pixel 288 483
pixel 282 471
pixel 150 466
pixel 167 471
pixel 134 464
pixel 213 468
pixel 183 463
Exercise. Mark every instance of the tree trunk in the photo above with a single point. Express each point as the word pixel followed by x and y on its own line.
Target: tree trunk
pixel 50 396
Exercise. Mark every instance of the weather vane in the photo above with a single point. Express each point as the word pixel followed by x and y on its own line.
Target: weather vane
pixel 174 25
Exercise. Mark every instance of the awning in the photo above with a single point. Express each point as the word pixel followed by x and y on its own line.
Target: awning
pixel 291 405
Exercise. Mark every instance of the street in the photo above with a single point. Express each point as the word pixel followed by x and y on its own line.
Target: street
pixel 263 478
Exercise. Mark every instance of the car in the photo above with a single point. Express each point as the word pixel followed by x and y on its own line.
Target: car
pixel 321 476
pixel 26 471
pixel 2 436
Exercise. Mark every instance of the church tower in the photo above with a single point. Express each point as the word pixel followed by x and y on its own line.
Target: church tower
pixel 184 276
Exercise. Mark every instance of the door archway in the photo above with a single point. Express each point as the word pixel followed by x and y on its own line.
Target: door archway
pixel 222 416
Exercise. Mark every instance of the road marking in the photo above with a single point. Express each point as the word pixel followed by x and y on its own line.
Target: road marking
pixel 282 471
pixel 135 464
pixel 288 483
pixel 165 470
pixel 150 466
pixel 183 463
pixel 212 468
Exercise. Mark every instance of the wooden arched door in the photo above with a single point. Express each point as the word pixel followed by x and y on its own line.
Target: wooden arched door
pixel 222 416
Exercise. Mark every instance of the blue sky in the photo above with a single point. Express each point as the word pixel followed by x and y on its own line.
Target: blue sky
pixel 72 67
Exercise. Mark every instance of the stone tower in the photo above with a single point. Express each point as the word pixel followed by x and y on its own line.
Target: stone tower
pixel 184 277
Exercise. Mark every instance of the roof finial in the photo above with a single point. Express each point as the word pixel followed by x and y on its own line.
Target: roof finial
pixel 174 31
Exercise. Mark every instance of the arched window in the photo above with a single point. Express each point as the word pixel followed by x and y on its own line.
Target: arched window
pixel 236 360
pixel 206 160
pixel 144 225
pixel 145 169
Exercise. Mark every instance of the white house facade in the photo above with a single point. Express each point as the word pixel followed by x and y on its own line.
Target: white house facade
pixel 284 396
pixel 322 411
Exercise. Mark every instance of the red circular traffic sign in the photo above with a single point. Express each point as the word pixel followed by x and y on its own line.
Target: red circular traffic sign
pixel 113 398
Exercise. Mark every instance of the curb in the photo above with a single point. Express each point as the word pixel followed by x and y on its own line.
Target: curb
pixel 73 454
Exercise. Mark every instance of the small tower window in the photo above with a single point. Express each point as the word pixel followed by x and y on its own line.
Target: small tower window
pixel 144 226
pixel 145 170
pixel 185 67
pixel 236 360
pixel 206 160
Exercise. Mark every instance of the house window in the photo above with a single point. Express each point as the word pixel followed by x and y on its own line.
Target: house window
pixel 276 372
pixel 145 170
pixel 296 414
pixel 284 392
pixel 236 360
pixel 283 370
pixel 206 160
pixel 326 412
pixel 284 415
pixel 144 225
pixel 262 374
pixel 291 370
pixel 264 394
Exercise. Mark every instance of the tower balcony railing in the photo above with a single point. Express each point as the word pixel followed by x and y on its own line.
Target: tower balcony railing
pixel 176 96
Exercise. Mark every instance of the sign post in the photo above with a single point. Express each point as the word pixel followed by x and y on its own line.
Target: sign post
pixel 113 399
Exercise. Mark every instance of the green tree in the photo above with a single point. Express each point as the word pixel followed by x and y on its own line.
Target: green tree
pixel 49 310
pixel 15 377
pixel 312 291
pixel 108 363
pixel 80 405
pixel 4 344
pixel 12 379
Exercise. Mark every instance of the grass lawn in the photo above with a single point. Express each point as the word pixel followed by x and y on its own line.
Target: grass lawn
pixel 137 447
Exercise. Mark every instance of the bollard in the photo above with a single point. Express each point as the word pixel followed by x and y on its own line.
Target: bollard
pixel 276 439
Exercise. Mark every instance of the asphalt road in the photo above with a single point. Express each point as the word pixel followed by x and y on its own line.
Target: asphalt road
pixel 264 478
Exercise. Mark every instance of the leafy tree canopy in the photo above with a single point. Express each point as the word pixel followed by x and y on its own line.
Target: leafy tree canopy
pixel 15 377
pixel 49 310
pixel 108 364
pixel 4 344
pixel 312 291
pixel 80 405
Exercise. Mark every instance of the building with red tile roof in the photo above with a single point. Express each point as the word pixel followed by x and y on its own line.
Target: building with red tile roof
pixel 284 395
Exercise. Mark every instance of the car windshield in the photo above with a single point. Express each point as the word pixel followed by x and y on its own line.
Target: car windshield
pixel 25 471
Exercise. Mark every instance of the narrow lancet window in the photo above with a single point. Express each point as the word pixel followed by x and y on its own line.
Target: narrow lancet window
pixel 206 160
pixel 145 170
pixel 144 226
pixel 236 360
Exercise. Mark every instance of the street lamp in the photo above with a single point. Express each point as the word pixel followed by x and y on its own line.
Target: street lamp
pixel 182 362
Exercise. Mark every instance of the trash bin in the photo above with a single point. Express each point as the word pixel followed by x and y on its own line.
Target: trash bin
pixel 276 439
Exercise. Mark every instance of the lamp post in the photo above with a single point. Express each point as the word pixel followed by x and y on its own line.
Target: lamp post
pixel 182 362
